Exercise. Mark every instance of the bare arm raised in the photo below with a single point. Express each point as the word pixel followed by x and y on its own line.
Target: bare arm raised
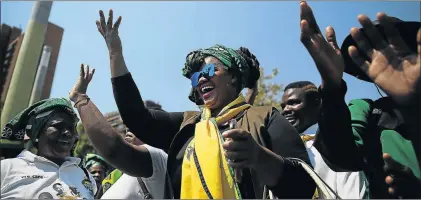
pixel 131 159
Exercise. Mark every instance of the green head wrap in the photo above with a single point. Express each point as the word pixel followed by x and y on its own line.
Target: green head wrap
pixel 94 159
pixel 31 121
pixel 232 60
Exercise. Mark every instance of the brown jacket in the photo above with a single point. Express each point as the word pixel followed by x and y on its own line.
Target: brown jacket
pixel 252 120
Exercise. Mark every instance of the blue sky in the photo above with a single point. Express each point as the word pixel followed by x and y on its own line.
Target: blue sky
pixel 157 36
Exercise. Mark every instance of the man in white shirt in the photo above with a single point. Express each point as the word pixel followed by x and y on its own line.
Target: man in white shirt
pixel 301 103
pixel 52 173
pixel 129 187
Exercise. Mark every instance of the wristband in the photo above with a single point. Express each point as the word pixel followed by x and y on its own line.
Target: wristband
pixel 81 98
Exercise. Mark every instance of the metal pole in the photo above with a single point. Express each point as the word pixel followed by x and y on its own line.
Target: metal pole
pixel 24 73
pixel 41 73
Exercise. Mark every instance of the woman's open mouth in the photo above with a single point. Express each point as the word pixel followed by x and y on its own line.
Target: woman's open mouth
pixel 207 91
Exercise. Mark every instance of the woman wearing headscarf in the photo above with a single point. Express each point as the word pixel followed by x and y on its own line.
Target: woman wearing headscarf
pixel 50 124
pixel 201 160
pixel 98 168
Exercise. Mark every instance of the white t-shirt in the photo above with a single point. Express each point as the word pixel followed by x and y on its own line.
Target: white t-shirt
pixel 348 185
pixel 29 176
pixel 127 187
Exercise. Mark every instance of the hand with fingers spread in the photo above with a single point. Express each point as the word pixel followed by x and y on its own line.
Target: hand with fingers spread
pixel 110 32
pixel 400 179
pixel 325 52
pixel 82 82
pixel 241 149
pixel 390 64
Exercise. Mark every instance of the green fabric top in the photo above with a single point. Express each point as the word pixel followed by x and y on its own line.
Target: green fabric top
pixel 392 142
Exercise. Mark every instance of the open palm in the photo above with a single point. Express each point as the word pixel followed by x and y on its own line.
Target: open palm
pixel 393 67
pixel 325 52
pixel 81 85
pixel 110 31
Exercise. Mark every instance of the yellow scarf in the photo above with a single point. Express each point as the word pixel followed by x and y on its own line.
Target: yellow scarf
pixel 216 179
pixel 307 138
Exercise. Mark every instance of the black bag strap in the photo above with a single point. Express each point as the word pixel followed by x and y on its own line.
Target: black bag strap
pixel 146 193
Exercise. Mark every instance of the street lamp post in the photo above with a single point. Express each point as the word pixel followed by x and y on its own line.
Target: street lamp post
pixel 41 73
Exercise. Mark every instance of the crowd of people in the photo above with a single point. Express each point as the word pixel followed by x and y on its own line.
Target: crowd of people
pixel 231 149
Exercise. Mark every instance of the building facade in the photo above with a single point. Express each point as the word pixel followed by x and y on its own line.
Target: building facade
pixel 10 41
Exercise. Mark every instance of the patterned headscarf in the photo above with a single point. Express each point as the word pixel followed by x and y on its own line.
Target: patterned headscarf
pixel 32 120
pixel 94 159
pixel 228 56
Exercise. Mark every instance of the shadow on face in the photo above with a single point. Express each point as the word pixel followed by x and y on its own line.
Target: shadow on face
pixel 98 173
pixel 297 110
pixel 219 90
pixel 58 136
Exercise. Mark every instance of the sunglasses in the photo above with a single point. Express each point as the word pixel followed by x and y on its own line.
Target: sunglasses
pixel 208 72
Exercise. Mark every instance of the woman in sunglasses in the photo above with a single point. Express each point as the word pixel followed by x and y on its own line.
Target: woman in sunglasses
pixel 229 149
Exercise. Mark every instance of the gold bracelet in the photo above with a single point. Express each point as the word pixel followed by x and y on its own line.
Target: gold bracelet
pixel 80 98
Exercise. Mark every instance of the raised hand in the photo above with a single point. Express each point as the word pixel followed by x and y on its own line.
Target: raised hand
pixel 81 85
pixel 325 52
pixel 391 64
pixel 110 32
